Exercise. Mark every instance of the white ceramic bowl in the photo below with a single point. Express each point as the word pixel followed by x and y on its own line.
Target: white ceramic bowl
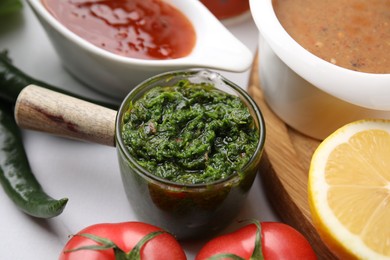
pixel 309 94
pixel 114 75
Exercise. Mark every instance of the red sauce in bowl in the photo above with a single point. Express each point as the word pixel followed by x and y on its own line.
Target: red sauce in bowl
pixel 224 9
pixel 143 29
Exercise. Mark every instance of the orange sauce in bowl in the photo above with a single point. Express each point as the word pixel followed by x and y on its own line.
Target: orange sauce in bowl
pixel 354 34
pixel 143 29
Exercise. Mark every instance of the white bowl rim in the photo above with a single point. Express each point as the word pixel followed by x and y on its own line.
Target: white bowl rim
pixel 362 89
pixel 187 61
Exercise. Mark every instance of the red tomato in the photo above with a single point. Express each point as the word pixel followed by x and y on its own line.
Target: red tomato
pixel 125 236
pixel 278 241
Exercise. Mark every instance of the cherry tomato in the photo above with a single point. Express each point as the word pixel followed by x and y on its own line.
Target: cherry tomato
pixel 107 241
pixel 278 241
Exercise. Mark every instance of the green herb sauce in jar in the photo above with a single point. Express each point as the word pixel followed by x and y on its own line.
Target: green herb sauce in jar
pixel 190 133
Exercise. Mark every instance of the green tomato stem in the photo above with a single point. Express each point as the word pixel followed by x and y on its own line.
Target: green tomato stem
pixel 105 244
pixel 257 251
pixel 135 253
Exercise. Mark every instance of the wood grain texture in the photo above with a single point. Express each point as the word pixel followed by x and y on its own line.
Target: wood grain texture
pixel 284 170
pixel 48 111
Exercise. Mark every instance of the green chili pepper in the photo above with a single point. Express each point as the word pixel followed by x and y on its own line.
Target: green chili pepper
pixel 16 176
pixel 13 80
pixel 9 6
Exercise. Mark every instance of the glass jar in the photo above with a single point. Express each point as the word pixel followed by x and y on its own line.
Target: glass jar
pixel 187 211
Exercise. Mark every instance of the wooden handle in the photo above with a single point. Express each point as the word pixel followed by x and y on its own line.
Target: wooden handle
pixel 48 111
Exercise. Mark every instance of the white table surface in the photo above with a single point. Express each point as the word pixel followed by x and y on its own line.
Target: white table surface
pixel 87 174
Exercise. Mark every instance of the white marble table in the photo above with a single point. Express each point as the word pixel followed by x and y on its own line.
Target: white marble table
pixel 88 174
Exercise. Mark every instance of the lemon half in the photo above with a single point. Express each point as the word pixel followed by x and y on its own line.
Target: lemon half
pixel 349 190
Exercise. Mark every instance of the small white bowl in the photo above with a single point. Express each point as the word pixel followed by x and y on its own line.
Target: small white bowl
pixel 309 94
pixel 114 75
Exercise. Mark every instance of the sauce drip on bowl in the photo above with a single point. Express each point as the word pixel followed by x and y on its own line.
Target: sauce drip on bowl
pixel 143 29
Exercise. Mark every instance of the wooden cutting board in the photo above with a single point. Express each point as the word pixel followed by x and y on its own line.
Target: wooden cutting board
pixel 284 169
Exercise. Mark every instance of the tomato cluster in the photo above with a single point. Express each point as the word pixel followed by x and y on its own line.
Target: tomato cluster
pixel 137 240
